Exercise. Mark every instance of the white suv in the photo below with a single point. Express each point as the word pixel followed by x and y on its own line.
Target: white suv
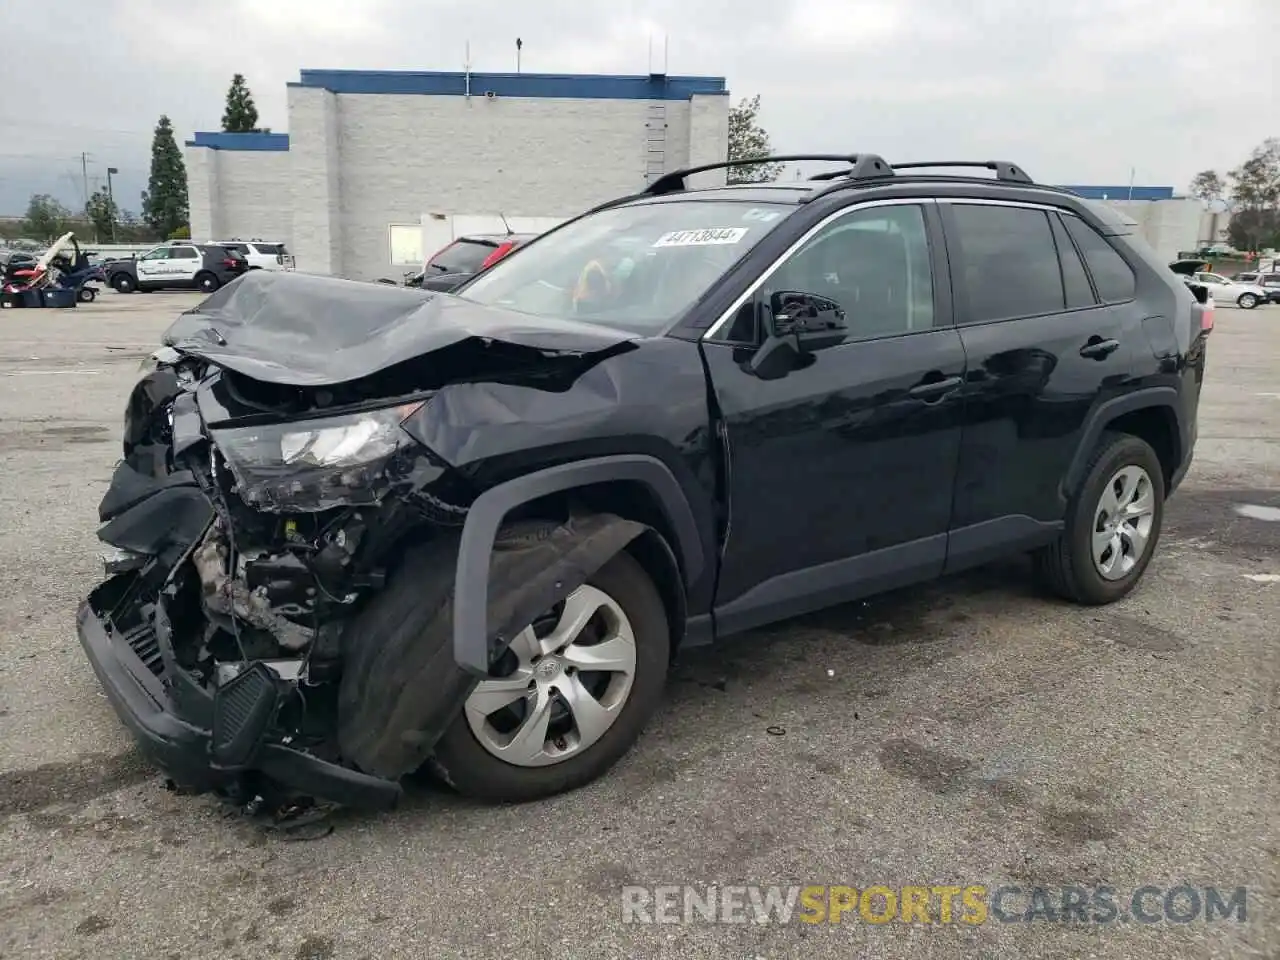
pixel 261 254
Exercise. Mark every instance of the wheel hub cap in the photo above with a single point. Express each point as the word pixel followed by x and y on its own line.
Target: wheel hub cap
pixel 1122 523
pixel 567 686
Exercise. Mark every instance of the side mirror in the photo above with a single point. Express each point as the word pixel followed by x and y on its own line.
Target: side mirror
pixel 817 322
pixel 796 324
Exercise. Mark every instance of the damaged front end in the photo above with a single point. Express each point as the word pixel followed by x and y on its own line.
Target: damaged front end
pixel 249 534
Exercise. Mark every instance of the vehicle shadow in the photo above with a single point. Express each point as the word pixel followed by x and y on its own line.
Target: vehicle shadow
pixel 766 676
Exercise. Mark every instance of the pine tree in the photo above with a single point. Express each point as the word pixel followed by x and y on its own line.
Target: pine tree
pixel 164 205
pixel 241 116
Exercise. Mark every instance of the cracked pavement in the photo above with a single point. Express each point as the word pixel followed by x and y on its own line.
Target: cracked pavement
pixel 968 731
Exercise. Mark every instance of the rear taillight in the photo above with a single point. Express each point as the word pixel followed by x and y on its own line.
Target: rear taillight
pixel 1206 317
pixel 502 250
pixel 230 264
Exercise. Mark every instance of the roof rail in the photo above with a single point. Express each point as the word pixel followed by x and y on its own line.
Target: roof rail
pixel 1005 170
pixel 861 166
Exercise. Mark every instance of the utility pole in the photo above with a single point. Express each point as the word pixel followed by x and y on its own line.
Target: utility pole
pixel 111 202
pixel 84 175
pixel 519 44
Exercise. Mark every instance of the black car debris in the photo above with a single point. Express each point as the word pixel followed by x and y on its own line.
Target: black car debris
pixel 362 529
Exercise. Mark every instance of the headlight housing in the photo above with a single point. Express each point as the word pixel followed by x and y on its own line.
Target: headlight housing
pixel 311 465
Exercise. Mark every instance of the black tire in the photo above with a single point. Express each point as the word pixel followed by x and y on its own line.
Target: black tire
pixel 207 282
pixel 1247 301
pixel 86 294
pixel 465 765
pixel 1066 566
pixel 123 283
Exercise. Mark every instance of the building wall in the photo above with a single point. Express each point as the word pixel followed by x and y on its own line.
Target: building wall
pixel 240 185
pixel 402 156
pixel 393 148
pixel 1169 226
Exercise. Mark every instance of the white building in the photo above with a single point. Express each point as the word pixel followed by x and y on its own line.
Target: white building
pixel 370 156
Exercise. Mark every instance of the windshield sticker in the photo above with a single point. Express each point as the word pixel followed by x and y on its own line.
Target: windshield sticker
pixel 763 216
pixel 701 238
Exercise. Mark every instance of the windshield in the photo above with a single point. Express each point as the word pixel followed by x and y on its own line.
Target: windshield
pixel 637 267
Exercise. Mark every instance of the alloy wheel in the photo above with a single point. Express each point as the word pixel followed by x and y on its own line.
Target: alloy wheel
pixel 569 678
pixel 1122 522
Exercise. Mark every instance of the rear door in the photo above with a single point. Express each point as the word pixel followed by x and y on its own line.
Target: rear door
pixel 840 472
pixel 183 265
pixel 1045 345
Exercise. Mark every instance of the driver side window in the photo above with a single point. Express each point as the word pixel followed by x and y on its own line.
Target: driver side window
pixel 874 262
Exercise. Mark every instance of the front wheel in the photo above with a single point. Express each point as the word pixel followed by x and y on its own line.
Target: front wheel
pixel 207 283
pixel 568 698
pixel 1247 301
pixel 1112 524
pixel 123 283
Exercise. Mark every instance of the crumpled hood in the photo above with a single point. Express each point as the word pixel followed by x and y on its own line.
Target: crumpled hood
pixel 304 330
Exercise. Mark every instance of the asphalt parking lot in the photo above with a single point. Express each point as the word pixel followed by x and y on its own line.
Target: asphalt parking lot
pixel 970 732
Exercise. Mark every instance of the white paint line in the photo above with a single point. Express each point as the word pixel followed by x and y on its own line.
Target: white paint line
pixel 1263 577
pixel 49 373
pixel 1256 511
pixel 1272 396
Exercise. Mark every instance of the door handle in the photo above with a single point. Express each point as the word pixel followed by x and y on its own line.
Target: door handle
pixel 930 390
pixel 1099 349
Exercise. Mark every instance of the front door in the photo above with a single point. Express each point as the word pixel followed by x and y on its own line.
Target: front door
pixel 1046 341
pixel 840 472
pixel 151 266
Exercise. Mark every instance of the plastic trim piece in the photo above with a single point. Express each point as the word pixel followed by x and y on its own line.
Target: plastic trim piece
pixel 471 584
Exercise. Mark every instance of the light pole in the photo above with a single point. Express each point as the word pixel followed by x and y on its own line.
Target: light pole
pixel 111 202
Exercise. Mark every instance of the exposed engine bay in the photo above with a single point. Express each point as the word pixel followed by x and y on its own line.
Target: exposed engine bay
pixel 251 531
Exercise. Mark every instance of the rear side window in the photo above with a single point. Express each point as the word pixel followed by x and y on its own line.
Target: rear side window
pixel 1113 277
pixel 271 249
pixel 1074 278
pixel 461 256
pixel 239 248
pixel 1008 262
pixel 182 253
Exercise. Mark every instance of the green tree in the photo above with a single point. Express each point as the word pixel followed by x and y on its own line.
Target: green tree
pixel 182 233
pixel 164 205
pixel 1255 195
pixel 1208 186
pixel 241 116
pixel 46 218
pixel 748 139
pixel 102 212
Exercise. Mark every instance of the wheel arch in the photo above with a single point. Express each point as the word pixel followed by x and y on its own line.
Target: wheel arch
pixel 636 488
pixel 1151 414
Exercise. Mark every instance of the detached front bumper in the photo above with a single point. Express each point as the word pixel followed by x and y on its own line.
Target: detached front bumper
pixel 181 741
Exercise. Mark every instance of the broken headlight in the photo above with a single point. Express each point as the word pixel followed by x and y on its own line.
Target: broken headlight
pixel 311 465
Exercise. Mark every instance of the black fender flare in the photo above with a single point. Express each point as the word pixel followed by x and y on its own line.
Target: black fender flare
pixel 1105 413
pixel 471 629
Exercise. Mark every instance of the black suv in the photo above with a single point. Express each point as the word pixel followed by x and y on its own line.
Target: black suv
pixel 361 529
pixel 462 259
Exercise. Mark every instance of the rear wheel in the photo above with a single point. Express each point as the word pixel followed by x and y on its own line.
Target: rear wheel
pixel 123 283
pixel 1112 525
pixel 570 696
pixel 206 282
pixel 1247 301
pixel 86 294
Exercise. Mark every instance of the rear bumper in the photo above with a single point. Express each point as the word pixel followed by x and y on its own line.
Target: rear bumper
pixel 182 749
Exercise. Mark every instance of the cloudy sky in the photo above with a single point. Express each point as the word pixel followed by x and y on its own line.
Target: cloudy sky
pixel 1077 92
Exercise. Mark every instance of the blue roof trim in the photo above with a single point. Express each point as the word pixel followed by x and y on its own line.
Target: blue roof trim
pixel 564 86
pixel 274 142
pixel 1123 192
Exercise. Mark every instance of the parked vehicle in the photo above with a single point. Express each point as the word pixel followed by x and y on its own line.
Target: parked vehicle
pixel 458 262
pixel 260 254
pixel 182 266
pixel 60 277
pixel 1224 289
pixel 1269 282
pixel 358 528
